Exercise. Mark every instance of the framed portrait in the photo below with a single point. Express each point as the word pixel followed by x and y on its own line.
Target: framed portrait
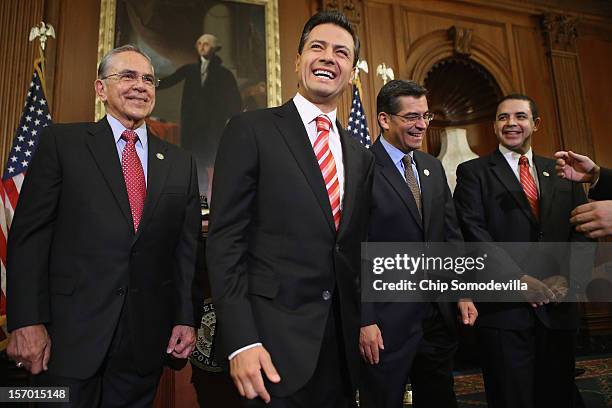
pixel 214 59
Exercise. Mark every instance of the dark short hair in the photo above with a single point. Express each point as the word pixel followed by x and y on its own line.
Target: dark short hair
pixel 329 17
pixel 387 99
pixel 522 97
pixel 106 59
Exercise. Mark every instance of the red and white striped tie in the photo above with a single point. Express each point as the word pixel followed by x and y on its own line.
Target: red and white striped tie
pixel 328 166
pixel 529 186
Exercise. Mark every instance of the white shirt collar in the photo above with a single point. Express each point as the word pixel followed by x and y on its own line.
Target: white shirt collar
pixel 309 111
pixel 514 157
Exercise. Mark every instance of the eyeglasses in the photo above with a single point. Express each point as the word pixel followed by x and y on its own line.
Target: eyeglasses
pixel 130 77
pixel 413 117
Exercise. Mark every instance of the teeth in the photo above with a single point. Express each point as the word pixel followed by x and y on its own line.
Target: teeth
pixel 326 74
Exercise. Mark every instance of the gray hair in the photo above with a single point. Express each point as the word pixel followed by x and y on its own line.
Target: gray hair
pixel 106 59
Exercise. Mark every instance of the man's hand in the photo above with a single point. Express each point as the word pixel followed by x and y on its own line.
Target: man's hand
pixel 245 369
pixel 558 285
pixel 30 346
pixel 593 219
pixel 538 293
pixel 469 313
pixel 370 340
pixel 182 341
pixel 576 167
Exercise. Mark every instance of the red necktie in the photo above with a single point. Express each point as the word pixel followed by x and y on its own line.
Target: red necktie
pixel 134 176
pixel 529 186
pixel 328 166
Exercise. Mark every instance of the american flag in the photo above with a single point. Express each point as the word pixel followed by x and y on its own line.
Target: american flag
pixel 34 118
pixel 357 122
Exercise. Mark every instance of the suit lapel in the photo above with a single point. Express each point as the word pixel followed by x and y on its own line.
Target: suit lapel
pixel 351 172
pixel 395 179
pixel 506 176
pixel 545 182
pixel 157 173
pixel 292 129
pixel 102 146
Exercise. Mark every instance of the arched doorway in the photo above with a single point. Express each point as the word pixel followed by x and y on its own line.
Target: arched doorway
pixel 462 93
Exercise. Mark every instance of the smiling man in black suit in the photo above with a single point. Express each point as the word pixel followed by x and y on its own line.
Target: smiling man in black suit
pixel 289 211
pixel 513 195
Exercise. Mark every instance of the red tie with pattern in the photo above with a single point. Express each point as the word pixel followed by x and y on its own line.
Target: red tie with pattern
pixel 529 186
pixel 328 166
pixel 134 176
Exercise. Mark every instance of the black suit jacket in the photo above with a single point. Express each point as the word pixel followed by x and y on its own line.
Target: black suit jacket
pixel 74 261
pixel 603 188
pixel 492 207
pixel 394 217
pixel 273 249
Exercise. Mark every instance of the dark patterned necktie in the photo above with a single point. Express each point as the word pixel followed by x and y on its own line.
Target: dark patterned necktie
pixel 412 181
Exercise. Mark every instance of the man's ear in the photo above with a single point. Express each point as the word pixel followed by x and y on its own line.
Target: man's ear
pixel 383 120
pixel 297 61
pixel 353 77
pixel 536 124
pixel 100 90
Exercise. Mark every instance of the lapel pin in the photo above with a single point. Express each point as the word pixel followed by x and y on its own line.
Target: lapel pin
pixel 545 173
pixel 160 156
pixel 426 172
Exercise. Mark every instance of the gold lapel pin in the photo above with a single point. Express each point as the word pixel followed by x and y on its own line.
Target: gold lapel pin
pixel 545 173
pixel 426 172
pixel 160 156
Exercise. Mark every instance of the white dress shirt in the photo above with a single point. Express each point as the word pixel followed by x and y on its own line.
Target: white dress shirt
pixel 513 160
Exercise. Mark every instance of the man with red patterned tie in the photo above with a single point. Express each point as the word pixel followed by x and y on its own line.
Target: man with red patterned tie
pixel 513 195
pixel 288 213
pixel 101 253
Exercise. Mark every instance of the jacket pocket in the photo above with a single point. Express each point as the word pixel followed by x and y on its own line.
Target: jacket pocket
pixel 263 285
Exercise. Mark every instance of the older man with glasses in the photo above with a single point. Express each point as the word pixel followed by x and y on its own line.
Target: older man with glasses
pixel 101 253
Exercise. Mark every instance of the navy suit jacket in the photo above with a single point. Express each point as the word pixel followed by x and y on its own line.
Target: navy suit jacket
pixel 394 217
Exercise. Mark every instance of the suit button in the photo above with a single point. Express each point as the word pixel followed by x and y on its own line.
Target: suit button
pixel 338 248
pixel 121 291
pixel 540 235
pixel 326 295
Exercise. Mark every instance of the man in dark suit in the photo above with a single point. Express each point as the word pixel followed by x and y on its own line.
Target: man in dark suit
pixel 289 211
pixel 593 219
pixel 416 340
pixel 100 263
pixel 512 195
pixel 210 98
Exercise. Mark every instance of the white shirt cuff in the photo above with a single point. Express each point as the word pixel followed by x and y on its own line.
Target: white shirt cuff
pixel 240 350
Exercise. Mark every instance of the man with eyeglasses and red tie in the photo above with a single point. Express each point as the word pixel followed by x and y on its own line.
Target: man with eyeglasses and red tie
pixel 411 202
pixel 513 195
pixel 102 249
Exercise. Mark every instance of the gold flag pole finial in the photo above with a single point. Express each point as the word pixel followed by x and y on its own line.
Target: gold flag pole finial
pixel 42 32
